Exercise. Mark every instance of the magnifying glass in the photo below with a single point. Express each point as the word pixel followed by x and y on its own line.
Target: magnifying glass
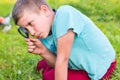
pixel 23 32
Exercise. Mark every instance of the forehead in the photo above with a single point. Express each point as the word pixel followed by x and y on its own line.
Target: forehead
pixel 26 17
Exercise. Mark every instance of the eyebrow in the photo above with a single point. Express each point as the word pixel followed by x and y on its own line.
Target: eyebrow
pixel 27 23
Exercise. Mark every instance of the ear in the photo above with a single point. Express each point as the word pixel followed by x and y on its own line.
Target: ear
pixel 44 10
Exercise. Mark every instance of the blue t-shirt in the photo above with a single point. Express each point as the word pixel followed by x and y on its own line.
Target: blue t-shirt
pixel 91 51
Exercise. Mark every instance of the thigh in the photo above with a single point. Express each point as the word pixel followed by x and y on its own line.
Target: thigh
pixel 49 72
pixel 77 75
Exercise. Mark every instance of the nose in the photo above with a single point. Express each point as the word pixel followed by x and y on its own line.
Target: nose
pixel 31 30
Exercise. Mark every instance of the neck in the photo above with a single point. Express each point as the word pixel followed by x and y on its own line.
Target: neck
pixel 52 16
pixel 52 19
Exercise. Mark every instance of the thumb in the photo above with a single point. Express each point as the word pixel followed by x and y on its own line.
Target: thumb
pixel 34 40
pixel 37 42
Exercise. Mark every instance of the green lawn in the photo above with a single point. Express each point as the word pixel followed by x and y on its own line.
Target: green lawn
pixel 17 64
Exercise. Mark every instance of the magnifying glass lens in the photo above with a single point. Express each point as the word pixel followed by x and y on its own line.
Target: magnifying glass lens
pixel 23 32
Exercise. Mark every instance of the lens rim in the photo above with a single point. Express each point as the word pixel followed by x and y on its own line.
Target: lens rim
pixel 24 31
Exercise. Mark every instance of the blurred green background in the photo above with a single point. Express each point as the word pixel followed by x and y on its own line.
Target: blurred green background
pixel 17 64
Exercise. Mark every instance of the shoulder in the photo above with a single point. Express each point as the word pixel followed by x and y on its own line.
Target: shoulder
pixel 66 9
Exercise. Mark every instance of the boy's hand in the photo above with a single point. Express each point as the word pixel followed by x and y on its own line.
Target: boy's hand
pixel 35 46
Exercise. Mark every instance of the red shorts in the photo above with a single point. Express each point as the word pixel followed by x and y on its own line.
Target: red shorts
pixel 48 72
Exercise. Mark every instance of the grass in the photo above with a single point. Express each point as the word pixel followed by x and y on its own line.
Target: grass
pixel 17 64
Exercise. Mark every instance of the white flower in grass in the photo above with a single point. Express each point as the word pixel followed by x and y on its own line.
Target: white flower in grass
pixel 19 72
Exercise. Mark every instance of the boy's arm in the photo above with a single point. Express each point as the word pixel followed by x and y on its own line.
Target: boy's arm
pixel 63 52
pixel 35 46
pixel 49 58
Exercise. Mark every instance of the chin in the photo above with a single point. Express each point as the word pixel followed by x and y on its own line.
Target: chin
pixel 43 37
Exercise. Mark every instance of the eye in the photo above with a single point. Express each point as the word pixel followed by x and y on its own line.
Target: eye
pixel 30 23
pixel 26 29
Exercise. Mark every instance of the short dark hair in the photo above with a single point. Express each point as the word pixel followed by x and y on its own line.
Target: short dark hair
pixel 21 5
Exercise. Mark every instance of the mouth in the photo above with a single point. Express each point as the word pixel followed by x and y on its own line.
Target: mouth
pixel 37 35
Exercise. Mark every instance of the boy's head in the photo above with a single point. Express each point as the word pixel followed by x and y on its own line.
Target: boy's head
pixel 24 5
pixel 34 15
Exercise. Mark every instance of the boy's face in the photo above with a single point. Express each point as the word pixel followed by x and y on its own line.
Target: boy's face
pixel 37 24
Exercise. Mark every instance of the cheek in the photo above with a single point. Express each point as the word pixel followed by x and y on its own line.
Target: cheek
pixel 36 26
pixel 40 27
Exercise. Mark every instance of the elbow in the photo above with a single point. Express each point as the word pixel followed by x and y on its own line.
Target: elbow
pixel 65 59
pixel 62 60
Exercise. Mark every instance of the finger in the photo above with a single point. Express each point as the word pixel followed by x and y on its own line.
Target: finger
pixel 31 47
pixel 36 41
pixel 27 39
pixel 30 43
pixel 36 51
pixel 30 50
pixel 37 34
pixel 33 40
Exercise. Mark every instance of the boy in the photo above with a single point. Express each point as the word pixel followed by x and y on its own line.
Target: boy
pixel 75 42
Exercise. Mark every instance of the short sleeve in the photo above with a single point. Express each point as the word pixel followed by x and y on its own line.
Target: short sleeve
pixel 67 18
pixel 49 43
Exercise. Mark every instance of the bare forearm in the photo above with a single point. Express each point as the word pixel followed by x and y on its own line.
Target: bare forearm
pixel 61 69
pixel 50 58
